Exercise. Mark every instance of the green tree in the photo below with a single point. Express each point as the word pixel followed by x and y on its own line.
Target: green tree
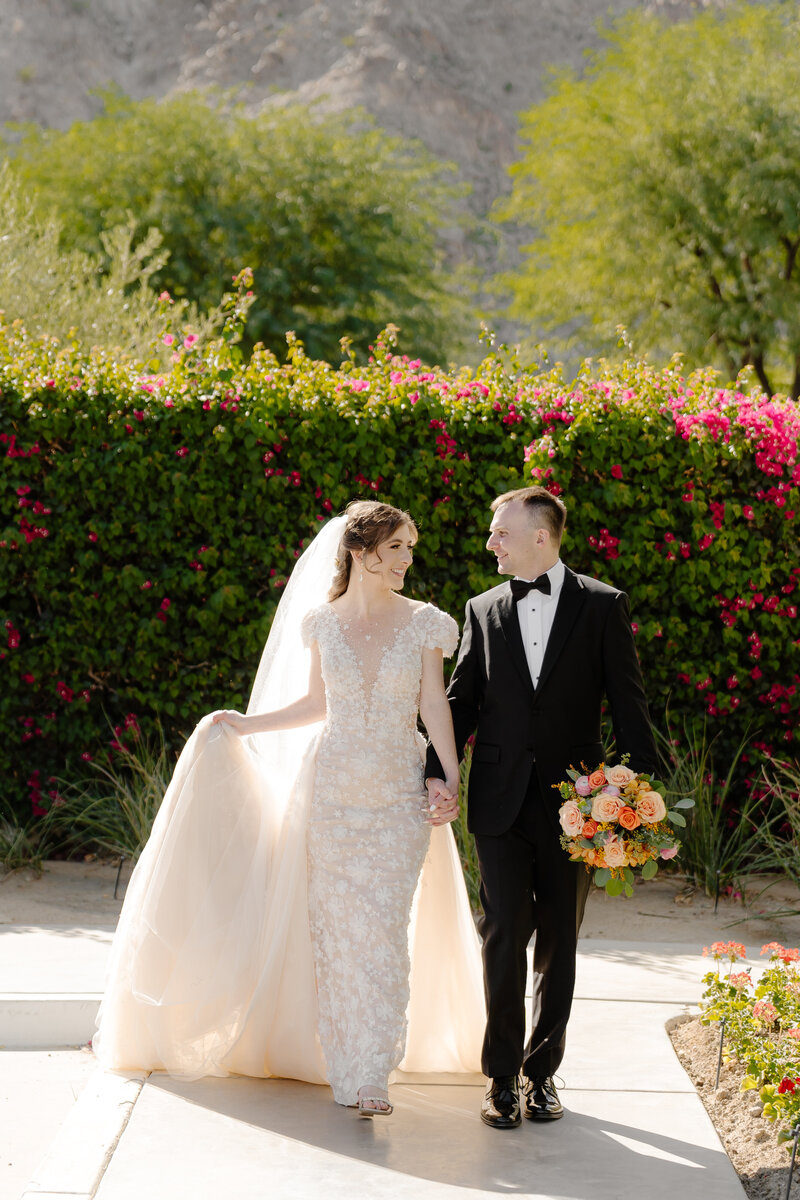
pixel 340 222
pixel 664 189
pixel 102 299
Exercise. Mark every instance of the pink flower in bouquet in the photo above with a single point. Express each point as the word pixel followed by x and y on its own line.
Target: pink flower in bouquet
pixel 605 807
pixel 571 819
pixel 614 852
pixel 582 786
pixel 597 778
pixel 628 817
pixel 651 807
pixel 668 852
pixel 610 790
pixel 618 776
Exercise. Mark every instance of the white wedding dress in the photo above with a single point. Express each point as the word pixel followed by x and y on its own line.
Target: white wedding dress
pixel 302 923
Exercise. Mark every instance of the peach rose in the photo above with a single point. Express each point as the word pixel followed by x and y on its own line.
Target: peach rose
pixel 597 778
pixel 614 852
pixel 605 807
pixel 628 817
pixel 651 807
pixel 619 776
pixel 589 829
pixel 571 819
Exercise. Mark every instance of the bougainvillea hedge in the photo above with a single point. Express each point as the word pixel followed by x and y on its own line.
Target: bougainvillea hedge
pixel 149 523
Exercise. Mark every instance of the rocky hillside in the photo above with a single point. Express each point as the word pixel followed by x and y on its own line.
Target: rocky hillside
pixel 454 73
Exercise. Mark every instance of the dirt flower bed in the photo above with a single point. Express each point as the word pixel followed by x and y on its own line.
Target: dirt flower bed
pixel 749 1139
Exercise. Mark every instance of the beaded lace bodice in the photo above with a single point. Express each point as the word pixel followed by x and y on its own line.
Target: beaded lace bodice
pixel 366 837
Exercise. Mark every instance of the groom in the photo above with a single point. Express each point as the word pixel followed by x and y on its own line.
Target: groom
pixel 538 656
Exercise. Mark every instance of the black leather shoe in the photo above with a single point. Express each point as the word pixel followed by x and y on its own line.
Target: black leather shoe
pixel 500 1107
pixel 541 1099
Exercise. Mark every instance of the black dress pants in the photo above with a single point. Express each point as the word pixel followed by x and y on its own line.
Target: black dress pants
pixel 528 885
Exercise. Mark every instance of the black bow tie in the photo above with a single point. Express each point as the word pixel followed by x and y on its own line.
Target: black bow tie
pixel 521 587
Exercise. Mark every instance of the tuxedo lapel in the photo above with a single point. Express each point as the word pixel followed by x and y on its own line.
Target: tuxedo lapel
pixel 570 603
pixel 509 624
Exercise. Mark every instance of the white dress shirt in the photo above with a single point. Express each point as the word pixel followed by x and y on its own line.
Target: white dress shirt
pixel 536 612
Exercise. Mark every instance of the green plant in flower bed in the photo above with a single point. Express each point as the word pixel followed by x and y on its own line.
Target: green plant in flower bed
pixel 149 522
pixel 113 809
pixel 726 839
pixel 762 1026
pixel 782 777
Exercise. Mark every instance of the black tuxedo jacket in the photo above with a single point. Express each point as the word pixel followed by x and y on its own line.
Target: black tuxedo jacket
pixel 590 655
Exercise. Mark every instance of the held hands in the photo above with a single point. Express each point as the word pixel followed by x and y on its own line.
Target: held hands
pixel 442 801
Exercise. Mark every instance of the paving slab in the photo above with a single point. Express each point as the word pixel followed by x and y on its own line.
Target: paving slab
pixel 251 1139
pixel 38 1089
pixel 634 1123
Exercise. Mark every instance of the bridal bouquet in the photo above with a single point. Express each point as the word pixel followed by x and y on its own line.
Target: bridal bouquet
pixel 616 821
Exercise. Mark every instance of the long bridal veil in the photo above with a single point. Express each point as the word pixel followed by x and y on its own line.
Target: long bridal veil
pixel 211 969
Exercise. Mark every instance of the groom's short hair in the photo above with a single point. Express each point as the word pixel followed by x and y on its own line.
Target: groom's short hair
pixel 545 508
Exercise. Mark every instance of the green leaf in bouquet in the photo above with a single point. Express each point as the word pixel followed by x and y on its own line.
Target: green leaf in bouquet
pixel 628 890
pixel 587 843
pixel 602 876
pixel 658 786
pixel 573 774
pixel 676 818
pixel 649 869
pixel 685 803
pixel 627 874
pixel 614 887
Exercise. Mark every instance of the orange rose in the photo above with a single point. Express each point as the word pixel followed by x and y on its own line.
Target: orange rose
pixel 628 817
pixel 605 807
pixel 651 807
pixel 589 829
pixel 597 778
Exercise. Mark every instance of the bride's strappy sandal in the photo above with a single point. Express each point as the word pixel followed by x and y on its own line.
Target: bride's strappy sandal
pixel 367 1096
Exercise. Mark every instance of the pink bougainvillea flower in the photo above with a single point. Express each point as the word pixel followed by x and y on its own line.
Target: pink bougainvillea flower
pixel 189 341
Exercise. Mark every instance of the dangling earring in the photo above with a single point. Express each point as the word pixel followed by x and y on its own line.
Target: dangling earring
pixel 361 574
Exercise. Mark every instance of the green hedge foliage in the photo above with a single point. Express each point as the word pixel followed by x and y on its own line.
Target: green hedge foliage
pixel 149 523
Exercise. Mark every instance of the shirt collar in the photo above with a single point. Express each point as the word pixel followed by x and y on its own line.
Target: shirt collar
pixel 555 575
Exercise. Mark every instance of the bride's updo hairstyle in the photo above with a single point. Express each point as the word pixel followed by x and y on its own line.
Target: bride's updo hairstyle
pixel 368 524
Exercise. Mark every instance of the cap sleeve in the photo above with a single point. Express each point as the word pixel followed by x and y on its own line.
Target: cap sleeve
pixel 308 627
pixel 440 631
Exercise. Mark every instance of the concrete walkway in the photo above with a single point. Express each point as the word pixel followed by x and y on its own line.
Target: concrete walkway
pixel 634 1124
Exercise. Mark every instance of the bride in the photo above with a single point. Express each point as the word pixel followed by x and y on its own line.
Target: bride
pixel 298 911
